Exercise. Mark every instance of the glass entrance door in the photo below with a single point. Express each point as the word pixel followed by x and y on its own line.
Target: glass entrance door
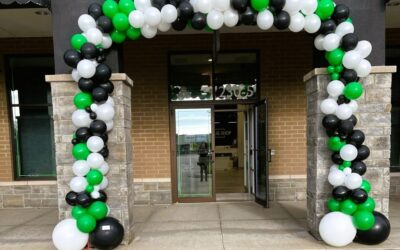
pixel 194 154
pixel 261 153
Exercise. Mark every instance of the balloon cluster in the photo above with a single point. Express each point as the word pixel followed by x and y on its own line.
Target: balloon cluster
pixel 352 213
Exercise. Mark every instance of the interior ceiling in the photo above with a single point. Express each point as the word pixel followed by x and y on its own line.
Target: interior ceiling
pixel 36 22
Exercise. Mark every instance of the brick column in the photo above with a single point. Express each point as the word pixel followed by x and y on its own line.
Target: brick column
pixel 120 188
pixel 374 119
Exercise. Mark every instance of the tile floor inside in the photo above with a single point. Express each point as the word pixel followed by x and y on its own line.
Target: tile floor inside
pixel 225 226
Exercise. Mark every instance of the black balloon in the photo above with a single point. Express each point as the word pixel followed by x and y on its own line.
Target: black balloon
pixel 327 27
pixel 70 198
pixel 336 158
pixel 346 127
pixel 103 73
pixel 349 42
pixel 84 199
pixel 353 119
pixel 341 13
pixel 185 10
pixel 103 136
pixel 89 51
pixel 240 5
pixel 83 134
pixel 179 24
pixel 98 127
pixel 358 167
pixel 349 75
pixel 107 86
pixel 377 234
pixel 342 99
pixel 93 116
pixel 282 20
pixel 359 195
pixel 88 109
pixel 104 152
pixel 95 10
pixel 108 234
pixel 330 122
pixel 105 24
pixel 86 85
pixel 74 141
pixel 357 138
pixel 175 2
pixel 72 58
pixel 276 5
pixel 331 133
pixel 249 16
pixel 158 3
pixel 99 94
pixel 199 21
pixel 103 196
pixel 341 193
pixel 363 153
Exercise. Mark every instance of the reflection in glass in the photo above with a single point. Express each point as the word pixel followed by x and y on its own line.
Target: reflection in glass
pixel 261 169
pixel 193 152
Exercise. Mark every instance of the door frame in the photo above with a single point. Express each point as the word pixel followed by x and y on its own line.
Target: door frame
pixel 174 169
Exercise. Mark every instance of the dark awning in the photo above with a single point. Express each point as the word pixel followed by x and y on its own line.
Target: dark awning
pixel 44 3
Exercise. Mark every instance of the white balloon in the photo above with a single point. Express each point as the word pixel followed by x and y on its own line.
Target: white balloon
pixel 105 112
pixel 152 16
pixel 107 41
pixel 348 152
pixel 328 106
pixel 297 22
pixel 66 236
pixel 80 168
pixel 104 184
pixel 353 181
pixel 86 22
pixel 94 36
pixel 86 68
pixel 149 31
pixel 352 59
pixel 78 184
pixel 334 167
pixel 353 105
pixel 164 27
pixel 347 171
pixel 343 112
pixel 95 160
pixel 335 88
pixel 309 7
pixel 110 125
pixel 293 6
pixel 336 178
pixel 337 229
pixel 110 101
pixel 364 68
pixel 365 48
pixel 205 6
pixel 319 42
pixel 75 75
pixel 344 28
pixel 169 13
pixel 222 5
pixel 265 20
pixel 95 144
pixel 194 4
pixel 94 107
pixel 331 42
pixel 136 19
pixel 96 188
pixel 312 23
pixel 231 18
pixel 81 118
pixel 142 4
pixel 95 194
pixel 215 19
pixel 104 168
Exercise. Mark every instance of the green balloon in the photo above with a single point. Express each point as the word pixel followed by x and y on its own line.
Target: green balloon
pixel 330 69
pixel 86 223
pixel 353 90
pixel 333 205
pixel 366 186
pixel 83 100
pixel 348 207
pixel 118 36
pixel 78 211
pixel 345 164
pixel 110 8
pixel 368 205
pixel 77 41
pixel 133 33
pixel 89 188
pixel 349 20
pixel 363 220
pixel 80 151
pixel 325 9
pixel 335 57
pixel 335 144
pixel 335 76
pixel 339 69
pixel 94 177
pixel 126 6
pixel 120 22
pixel 259 5
pixel 98 210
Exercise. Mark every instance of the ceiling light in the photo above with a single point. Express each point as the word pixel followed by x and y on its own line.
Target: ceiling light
pixel 210 60
pixel 42 12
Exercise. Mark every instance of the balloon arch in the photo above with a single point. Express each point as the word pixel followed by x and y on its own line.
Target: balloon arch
pixel 352 215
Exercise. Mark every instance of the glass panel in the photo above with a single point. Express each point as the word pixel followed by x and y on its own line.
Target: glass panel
pixel 261 169
pixel 236 76
pixel 393 58
pixel 194 152
pixel 190 77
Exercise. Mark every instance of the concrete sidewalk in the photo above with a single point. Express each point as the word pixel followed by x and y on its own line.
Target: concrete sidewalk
pixel 225 226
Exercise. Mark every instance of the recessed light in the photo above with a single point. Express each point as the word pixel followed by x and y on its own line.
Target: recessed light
pixel 210 60
pixel 42 12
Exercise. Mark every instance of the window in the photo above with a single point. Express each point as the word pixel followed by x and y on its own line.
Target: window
pixel 195 77
pixel 31 116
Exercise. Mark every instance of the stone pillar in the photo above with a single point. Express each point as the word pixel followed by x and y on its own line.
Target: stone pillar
pixel 374 119
pixel 120 188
